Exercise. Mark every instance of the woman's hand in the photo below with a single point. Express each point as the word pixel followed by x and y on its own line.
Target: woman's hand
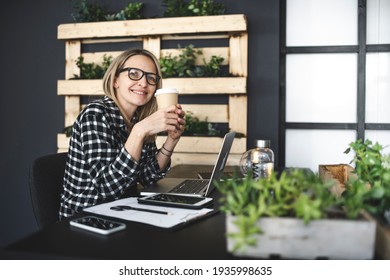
pixel 170 119
pixel 179 129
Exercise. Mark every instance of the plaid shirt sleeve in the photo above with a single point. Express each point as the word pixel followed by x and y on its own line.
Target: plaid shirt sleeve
pixel 99 168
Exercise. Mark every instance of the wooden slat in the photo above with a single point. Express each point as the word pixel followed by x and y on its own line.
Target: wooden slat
pixel 97 57
pixel 153 44
pixel 62 141
pixel 207 54
pixel 204 144
pixel 238 113
pixel 72 109
pixel 111 40
pixel 72 103
pixel 201 36
pixel 239 55
pixel 148 27
pixel 176 37
pixel 72 53
pixel 214 113
pixel 80 87
pixel 230 85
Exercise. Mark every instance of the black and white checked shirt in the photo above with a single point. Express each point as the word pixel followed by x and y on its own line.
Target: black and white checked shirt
pixel 99 168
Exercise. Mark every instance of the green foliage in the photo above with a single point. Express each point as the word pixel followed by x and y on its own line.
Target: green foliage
pixel 183 65
pixel 68 130
pixel 181 8
pixel 87 12
pixel 213 67
pixel 131 11
pixel 175 8
pixel 370 190
pixel 92 70
pixel 195 126
pixel 292 194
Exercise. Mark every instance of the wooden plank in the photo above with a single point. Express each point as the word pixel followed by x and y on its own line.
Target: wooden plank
pixel 72 109
pixel 175 37
pixel 239 55
pixel 202 159
pixel 214 113
pixel 72 53
pixel 79 87
pixel 62 150
pixel 153 44
pixel 97 57
pixel 182 37
pixel 204 144
pixel 62 141
pixel 148 27
pixel 238 113
pixel 207 54
pixel 229 85
pixel 111 40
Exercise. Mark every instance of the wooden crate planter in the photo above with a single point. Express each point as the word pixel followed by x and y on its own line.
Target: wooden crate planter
pixel 289 238
pixel 340 173
pixel 151 33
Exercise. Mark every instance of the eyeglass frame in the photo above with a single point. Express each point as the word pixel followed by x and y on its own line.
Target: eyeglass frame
pixel 144 73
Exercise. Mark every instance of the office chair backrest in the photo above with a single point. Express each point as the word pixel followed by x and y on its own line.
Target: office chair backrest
pixel 46 177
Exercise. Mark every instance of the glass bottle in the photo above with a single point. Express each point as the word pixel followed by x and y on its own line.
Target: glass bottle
pixel 260 160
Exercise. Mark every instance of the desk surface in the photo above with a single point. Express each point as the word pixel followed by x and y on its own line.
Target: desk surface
pixel 203 239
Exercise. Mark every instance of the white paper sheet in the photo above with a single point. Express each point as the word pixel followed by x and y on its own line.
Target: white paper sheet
pixel 174 216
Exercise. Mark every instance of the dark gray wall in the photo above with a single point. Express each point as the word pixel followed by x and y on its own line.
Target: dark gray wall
pixel 32 114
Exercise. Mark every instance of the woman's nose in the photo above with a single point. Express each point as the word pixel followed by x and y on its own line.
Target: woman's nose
pixel 143 82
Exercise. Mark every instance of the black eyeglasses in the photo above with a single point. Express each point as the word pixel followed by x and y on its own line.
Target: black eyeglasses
pixel 136 74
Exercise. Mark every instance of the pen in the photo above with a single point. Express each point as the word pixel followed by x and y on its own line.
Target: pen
pixel 127 207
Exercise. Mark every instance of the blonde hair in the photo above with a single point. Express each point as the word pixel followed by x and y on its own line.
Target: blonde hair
pixel 113 72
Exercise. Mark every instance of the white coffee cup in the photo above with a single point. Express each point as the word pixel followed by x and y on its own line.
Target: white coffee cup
pixel 166 97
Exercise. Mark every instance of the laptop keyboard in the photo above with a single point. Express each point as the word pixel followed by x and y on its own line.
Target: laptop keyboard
pixel 190 186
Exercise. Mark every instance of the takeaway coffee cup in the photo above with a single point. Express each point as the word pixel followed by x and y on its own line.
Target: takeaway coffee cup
pixel 166 97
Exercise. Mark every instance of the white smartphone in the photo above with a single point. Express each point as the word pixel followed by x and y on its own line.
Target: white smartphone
pixel 176 200
pixel 98 225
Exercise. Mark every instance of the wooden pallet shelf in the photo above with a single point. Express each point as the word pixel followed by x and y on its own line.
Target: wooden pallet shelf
pixel 151 33
pixel 150 27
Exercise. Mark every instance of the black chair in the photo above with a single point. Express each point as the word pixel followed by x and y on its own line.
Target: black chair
pixel 45 182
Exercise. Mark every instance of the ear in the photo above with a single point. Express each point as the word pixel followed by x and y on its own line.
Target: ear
pixel 116 84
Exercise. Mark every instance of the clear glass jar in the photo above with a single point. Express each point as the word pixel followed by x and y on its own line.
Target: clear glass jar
pixel 260 160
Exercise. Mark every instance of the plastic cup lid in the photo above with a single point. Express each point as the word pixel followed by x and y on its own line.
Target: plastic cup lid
pixel 166 90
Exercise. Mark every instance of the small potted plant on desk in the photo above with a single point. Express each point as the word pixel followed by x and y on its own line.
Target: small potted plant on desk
pixel 292 215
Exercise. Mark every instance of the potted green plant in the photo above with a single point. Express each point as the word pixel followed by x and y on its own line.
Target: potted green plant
pixel 292 215
pixel 370 189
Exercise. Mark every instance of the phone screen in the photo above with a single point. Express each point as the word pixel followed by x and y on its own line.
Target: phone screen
pixel 176 199
pixel 99 223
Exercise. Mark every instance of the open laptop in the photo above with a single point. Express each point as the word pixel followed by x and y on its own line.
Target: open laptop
pixel 197 187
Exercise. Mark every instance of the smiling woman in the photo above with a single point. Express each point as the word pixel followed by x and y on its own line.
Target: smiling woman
pixel 112 145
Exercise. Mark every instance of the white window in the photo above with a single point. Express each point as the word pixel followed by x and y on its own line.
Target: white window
pixel 336 62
